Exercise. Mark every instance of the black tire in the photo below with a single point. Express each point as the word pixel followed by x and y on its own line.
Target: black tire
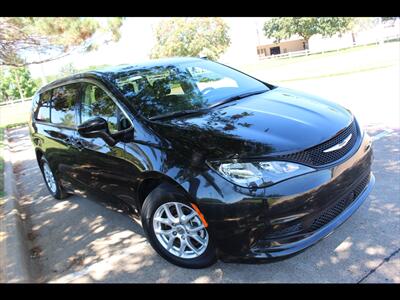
pixel 59 193
pixel 159 196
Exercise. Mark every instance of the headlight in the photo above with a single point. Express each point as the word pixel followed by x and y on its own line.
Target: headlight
pixel 259 174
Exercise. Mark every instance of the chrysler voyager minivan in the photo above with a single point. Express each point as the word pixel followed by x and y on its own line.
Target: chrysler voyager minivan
pixel 215 163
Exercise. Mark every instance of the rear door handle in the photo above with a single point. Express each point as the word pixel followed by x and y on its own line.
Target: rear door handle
pixel 78 144
pixel 73 142
pixel 68 141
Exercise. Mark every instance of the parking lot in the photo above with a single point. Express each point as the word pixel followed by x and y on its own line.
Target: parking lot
pixel 79 240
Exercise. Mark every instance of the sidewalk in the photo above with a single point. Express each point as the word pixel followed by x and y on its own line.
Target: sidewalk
pixel 14 259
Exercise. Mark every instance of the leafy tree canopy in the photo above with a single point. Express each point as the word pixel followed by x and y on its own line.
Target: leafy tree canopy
pixel 70 69
pixel 16 83
pixel 280 28
pixel 191 37
pixel 51 37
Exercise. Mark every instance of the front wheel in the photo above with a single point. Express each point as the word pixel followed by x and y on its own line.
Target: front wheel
pixel 176 230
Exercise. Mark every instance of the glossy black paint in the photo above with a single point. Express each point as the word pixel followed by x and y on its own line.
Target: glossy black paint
pixel 244 223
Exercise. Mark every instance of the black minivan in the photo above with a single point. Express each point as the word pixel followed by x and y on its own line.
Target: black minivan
pixel 214 162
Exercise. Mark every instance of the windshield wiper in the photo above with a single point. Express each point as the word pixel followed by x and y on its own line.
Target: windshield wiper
pixel 178 113
pixel 194 111
pixel 237 97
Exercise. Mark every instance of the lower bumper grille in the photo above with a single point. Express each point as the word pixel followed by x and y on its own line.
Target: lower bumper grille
pixel 332 212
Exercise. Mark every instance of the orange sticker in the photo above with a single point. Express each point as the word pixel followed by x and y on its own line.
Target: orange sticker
pixel 203 220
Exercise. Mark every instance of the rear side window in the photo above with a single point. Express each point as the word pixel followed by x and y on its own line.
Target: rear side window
pixel 63 104
pixel 43 113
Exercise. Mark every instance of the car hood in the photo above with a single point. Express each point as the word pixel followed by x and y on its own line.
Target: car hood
pixel 278 121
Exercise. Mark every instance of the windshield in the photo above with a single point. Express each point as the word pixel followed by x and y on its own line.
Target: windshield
pixel 194 85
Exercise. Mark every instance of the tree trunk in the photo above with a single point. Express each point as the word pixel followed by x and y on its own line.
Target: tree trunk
pixel 353 36
pixel 21 92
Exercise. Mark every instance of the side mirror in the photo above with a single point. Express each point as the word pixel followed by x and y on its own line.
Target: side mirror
pixel 96 127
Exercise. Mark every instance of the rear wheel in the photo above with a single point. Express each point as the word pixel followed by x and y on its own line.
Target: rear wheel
pixel 176 231
pixel 52 182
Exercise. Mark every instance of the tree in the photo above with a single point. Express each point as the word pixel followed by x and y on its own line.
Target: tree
pixel 191 37
pixel 67 70
pixel 360 23
pixel 16 83
pixel 283 28
pixel 51 38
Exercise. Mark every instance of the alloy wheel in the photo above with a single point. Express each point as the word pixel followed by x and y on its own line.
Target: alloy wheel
pixel 49 177
pixel 180 230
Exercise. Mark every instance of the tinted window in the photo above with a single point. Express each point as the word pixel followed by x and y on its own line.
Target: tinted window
pixel 196 84
pixel 63 105
pixel 43 113
pixel 96 103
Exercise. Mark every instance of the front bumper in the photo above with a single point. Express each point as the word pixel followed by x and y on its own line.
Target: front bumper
pixel 288 217
pixel 282 248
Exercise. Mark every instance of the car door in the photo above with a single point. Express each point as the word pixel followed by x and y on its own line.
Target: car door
pixel 56 121
pixel 103 169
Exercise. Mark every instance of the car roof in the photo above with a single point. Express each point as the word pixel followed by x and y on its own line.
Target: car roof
pixel 147 63
pixel 112 70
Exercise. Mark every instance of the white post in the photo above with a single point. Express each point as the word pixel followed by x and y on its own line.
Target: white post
pixel 380 31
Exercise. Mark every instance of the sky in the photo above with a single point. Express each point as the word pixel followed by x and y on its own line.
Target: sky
pixel 137 40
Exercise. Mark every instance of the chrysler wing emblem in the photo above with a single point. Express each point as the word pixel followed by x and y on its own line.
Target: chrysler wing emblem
pixel 340 145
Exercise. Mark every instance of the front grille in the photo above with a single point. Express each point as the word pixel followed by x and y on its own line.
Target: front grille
pixel 332 212
pixel 316 157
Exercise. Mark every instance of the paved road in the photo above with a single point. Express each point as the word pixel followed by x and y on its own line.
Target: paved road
pixel 78 240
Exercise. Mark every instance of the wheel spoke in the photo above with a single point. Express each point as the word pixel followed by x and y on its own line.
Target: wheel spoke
pixel 198 239
pixel 164 232
pixel 191 246
pixel 182 247
pixel 195 229
pixel 169 215
pixel 190 216
pixel 179 211
pixel 170 242
pixel 163 220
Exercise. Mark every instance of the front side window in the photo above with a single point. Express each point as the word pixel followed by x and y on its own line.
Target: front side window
pixel 192 85
pixel 63 102
pixel 96 103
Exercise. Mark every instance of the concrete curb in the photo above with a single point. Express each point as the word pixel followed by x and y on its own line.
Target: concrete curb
pixel 14 255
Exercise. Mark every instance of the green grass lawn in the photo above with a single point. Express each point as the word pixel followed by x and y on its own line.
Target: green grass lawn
pixel 15 113
pixel 266 63
pixel 334 63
